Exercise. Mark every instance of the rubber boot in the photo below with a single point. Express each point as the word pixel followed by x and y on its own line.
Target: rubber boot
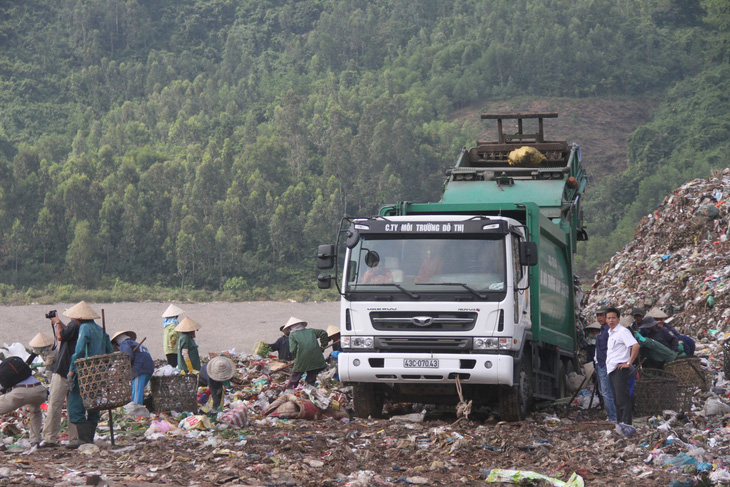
pixel 86 432
pixel 92 430
pixel 75 444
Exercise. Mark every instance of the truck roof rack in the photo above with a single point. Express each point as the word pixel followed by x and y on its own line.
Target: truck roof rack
pixel 494 154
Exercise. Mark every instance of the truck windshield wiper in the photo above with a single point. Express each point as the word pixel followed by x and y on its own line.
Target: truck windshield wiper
pixel 409 293
pixel 468 288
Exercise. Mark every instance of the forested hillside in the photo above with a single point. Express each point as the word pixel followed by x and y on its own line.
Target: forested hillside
pixel 212 144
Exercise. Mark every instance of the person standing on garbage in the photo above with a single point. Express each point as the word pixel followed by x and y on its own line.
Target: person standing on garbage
pixel 67 335
pixel 188 357
pixel 22 390
pixel 92 341
pixel 142 364
pixel 281 345
pixel 604 385
pixel 623 350
pixel 308 356
pixel 638 315
pixel 170 336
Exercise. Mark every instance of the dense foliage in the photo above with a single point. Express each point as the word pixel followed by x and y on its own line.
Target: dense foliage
pixel 212 144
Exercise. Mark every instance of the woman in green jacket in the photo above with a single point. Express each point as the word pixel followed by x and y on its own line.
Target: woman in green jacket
pixel 188 358
pixel 308 356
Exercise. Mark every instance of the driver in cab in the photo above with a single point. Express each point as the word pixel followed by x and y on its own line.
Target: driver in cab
pixel 376 273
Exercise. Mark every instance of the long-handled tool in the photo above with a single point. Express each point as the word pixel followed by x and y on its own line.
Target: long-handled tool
pixel 111 417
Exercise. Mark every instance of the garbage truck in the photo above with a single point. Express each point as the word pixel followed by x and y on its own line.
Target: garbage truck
pixel 471 298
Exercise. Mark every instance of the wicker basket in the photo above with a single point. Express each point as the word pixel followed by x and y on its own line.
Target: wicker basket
pixel 654 391
pixel 689 372
pixel 105 380
pixel 174 392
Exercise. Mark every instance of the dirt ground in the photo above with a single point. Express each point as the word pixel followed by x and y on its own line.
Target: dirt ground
pixel 555 441
pixel 224 326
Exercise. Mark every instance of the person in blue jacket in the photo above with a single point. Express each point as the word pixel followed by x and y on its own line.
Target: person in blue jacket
pixel 142 364
pixel 92 341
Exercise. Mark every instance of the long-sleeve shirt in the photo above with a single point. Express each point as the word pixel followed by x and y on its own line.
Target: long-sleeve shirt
pixel 142 362
pixel 187 342
pixel 69 336
pixel 92 341
pixel 663 336
pixel 308 354
pixel 602 346
pixel 171 336
pixel 281 346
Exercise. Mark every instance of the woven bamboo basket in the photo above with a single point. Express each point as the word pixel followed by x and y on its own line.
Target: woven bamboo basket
pixel 105 380
pixel 689 372
pixel 654 391
pixel 174 393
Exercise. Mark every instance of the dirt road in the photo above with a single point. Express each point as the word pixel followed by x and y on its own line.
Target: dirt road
pixel 224 326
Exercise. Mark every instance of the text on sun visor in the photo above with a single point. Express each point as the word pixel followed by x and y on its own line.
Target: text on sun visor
pixel 425 227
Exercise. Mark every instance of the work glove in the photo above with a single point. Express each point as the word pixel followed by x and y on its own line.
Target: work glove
pixel 680 348
pixel 639 337
pixel 189 364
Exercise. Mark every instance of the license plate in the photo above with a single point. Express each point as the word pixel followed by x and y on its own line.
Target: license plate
pixel 427 363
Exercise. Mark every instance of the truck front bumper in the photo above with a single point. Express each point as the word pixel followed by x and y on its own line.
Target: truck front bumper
pixel 391 368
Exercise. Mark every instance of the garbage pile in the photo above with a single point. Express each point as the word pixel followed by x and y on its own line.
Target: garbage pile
pixel 679 260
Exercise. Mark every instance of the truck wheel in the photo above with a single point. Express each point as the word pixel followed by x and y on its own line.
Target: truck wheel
pixel 367 400
pixel 515 401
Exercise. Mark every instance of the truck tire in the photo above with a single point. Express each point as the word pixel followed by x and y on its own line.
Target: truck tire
pixel 515 401
pixel 367 400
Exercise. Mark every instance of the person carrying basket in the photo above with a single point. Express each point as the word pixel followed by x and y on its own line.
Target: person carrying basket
pixel 92 341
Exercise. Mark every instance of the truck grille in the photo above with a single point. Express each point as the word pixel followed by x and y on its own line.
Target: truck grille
pixel 423 321
pixel 423 344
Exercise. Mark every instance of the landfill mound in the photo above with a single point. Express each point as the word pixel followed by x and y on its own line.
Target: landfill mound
pixel 679 260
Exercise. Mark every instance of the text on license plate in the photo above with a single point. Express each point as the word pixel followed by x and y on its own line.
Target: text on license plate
pixel 429 363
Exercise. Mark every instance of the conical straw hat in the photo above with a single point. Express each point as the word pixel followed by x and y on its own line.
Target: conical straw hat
pixel 333 330
pixel 187 324
pixel 221 368
pixel 130 334
pixel 293 321
pixel 657 313
pixel 171 311
pixel 81 311
pixel 40 341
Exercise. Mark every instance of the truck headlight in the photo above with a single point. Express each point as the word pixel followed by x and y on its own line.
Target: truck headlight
pixel 357 342
pixel 492 343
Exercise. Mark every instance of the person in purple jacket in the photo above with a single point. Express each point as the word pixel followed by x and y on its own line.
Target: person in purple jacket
pixel 142 364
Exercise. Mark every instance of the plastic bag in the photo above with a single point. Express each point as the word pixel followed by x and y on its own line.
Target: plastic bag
pixel 517 476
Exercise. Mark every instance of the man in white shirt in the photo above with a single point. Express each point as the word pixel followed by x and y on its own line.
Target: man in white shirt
pixel 623 350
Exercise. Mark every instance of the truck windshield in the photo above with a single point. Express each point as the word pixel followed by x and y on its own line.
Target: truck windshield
pixel 421 267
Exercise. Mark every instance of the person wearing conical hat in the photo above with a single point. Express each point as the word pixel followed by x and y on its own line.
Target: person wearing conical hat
pixel 308 357
pixel 281 345
pixel 142 364
pixel 67 335
pixel 92 341
pixel 169 323
pixel 215 375
pixel 188 357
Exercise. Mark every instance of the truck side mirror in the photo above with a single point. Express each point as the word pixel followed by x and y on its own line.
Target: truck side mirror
pixel 324 281
pixel 528 253
pixel 353 237
pixel 325 256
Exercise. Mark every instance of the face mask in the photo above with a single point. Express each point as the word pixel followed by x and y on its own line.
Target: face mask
pixel 591 340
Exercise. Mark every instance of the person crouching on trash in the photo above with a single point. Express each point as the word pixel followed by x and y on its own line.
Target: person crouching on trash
pixel 188 357
pixel 170 337
pixel 20 388
pixel 92 341
pixel 308 356
pixel 142 364
pixel 214 375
